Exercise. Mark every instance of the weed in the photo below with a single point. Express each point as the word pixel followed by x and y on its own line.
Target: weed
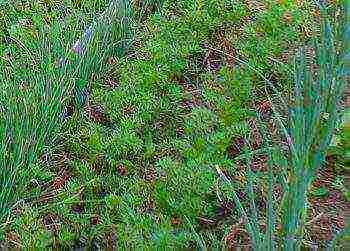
pixel 310 135
pixel 145 109
pixel 32 99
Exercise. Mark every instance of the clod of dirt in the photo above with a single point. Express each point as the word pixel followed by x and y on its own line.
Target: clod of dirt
pixel 78 208
pixel 111 83
pixel 51 222
pixel 121 170
pixel 265 110
pixel 175 221
pixel 237 237
pixel 68 110
pixel 225 209
pixel 256 139
pixel 259 163
pixel 97 114
pixel 179 132
pixel 12 241
pixel 148 207
pixel 212 60
pixel 287 17
pixel 95 220
pixel 236 147
pixel 150 174
pixel 60 180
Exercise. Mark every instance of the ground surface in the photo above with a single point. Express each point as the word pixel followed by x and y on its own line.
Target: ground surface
pixel 136 164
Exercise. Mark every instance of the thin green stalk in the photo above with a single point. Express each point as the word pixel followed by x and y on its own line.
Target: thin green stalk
pixel 31 101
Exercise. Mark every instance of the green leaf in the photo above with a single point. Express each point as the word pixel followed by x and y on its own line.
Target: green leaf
pixel 320 192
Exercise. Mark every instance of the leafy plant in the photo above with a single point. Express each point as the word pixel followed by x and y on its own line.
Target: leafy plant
pixel 313 116
pixel 31 101
pixel 154 101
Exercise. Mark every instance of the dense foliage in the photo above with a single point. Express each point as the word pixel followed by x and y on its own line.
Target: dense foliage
pixel 162 124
